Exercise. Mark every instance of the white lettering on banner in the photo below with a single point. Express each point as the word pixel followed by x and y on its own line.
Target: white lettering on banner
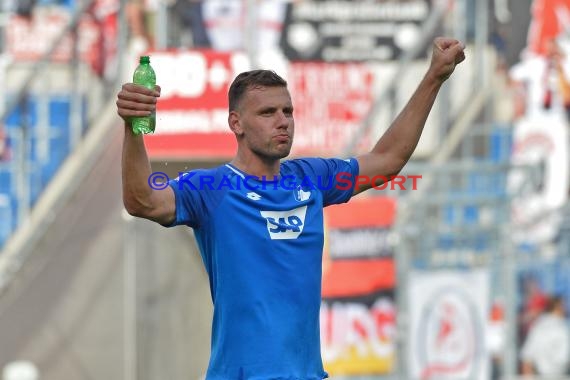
pixel 240 62
pixel 314 133
pixel 331 101
pixel 330 29
pixel 348 10
pixel 193 121
pixel 337 54
pixel 540 139
pixel 359 243
pixel 189 74
pixel 218 76
pixel 181 75
pixel 371 331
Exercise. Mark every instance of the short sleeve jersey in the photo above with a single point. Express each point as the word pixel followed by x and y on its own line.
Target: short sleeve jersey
pixel 261 242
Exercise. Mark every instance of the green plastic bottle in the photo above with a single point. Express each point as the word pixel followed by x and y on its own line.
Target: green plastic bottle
pixel 144 75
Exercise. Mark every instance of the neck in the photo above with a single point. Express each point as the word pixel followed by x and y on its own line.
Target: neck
pixel 255 165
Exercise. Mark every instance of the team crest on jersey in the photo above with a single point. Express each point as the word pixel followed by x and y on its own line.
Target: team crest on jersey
pixel 301 195
pixel 285 224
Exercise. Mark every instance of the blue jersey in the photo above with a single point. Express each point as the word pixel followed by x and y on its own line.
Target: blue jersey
pixel 261 241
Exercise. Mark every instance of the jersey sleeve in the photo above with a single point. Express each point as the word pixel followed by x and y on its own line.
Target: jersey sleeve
pixel 334 177
pixel 193 200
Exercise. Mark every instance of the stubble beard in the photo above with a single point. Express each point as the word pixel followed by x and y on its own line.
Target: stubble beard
pixel 274 152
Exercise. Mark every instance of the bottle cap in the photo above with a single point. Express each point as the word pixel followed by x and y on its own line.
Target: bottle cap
pixel 144 59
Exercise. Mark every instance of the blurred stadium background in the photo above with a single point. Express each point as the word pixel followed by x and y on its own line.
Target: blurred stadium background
pixel 442 280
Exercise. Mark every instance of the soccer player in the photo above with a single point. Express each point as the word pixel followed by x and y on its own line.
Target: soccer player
pixel 259 223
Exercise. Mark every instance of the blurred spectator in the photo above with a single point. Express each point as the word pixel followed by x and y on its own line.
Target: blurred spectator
pixel 191 23
pixel 557 61
pixel 140 17
pixel 4 148
pixel 535 302
pixel 24 7
pixel 221 24
pixel 543 80
pixel 105 14
pixel 546 350
pixel 496 337
pixel 225 22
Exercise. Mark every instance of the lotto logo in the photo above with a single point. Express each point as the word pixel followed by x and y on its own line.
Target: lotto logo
pixel 285 224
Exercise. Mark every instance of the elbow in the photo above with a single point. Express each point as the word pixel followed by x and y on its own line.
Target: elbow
pixel 138 203
pixel 134 208
pixel 391 162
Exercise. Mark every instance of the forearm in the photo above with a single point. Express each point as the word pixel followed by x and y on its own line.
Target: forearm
pixel 396 146
pixel 402 137
pixel 136 169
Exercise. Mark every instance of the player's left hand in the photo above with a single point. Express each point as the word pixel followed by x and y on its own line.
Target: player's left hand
pixel 447 53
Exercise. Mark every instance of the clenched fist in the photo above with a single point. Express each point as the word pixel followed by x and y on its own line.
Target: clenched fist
pixel 447 53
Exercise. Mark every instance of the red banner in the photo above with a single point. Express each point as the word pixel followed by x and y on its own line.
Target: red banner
pixel 192 113
pixel 330 102
pixel 358 312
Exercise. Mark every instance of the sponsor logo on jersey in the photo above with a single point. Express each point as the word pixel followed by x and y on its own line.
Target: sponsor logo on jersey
pixel 285 224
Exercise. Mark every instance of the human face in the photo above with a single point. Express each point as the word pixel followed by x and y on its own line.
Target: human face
pixel 265 122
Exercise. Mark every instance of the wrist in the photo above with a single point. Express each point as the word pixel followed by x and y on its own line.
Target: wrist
pixel 129 129
pixel 433 80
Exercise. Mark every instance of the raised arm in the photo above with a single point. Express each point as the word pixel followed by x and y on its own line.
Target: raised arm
pixel 396 146
pixel 138 197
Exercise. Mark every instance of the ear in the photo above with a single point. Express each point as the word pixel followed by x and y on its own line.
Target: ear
pixel 235 123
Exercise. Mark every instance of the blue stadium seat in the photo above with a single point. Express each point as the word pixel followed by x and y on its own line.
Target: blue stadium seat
pixel 5 218
pixel 42 166
pixel 478 183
